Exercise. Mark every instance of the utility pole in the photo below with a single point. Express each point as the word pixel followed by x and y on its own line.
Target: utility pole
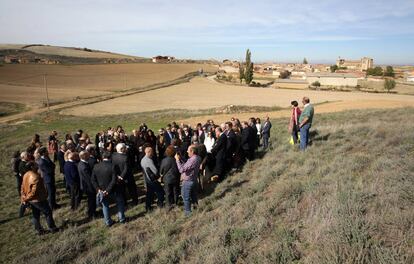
pixel 126 81
pixel 47 93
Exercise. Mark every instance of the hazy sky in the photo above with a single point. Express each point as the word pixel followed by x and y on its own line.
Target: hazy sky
pixel 274 30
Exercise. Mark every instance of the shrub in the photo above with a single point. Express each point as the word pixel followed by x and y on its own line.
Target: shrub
pixel 316 84
pixel 389 84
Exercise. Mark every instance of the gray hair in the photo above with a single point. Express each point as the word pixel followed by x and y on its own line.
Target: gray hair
pixel 120 147
pixel 24 155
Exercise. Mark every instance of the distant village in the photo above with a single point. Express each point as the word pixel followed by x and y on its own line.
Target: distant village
pixel 345 73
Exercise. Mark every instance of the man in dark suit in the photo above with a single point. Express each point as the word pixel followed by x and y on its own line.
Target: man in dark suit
pixel 47 170
pixel 93 159
pixel 219 152
pixel 252 124
pixel 104 182
pixel 73 180
pixel 248 141
pixel 231 144
pixel 123 171
pixel 266 133
pixel 168 135
pixel 85 175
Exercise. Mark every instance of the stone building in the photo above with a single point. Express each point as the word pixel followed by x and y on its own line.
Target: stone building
pixel 363 64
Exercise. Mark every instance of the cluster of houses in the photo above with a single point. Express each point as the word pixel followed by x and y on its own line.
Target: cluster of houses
pixel 162 59
pixel 347 72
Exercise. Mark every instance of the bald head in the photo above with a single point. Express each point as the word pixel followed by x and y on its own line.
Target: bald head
pixel 149 152
pixel 305 100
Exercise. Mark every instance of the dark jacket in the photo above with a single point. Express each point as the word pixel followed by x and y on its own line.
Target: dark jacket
pixel 219 148
pixel 85 175
pixel 231 143
pixel 168 138
pixel 103 177
pixel 266 128
pixel 71 173
pixel 61 159
pixel 248 139
pixel 169 170
pixel 92 162
pixel 23 168
pixel 47 170
pixel 121 166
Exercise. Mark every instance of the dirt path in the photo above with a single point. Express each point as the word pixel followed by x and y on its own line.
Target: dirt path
pixel 203 93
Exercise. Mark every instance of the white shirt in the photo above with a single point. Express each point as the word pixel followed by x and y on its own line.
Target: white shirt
pixel 209 142
pixel 259 128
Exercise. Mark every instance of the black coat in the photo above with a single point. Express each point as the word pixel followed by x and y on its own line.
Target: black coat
pixel 219 152
pixel 231 144
pixel 85 175
pixel 121 166
pixel 71 173
pixel 169 170
pixel 61 159
pixel 92 162
pixel 47 169
pixel 248 139
pixel 103 177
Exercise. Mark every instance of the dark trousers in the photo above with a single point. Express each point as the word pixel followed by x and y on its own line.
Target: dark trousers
pixel 44 208
pixel 22 209
pixel 75 196
pixel 295 131
pixel 248 154
pixel 172 192
pixel 51 194
pixel 154 188
pixel 132 190
pixel 19 181
pixel 91 196
pixel 265 141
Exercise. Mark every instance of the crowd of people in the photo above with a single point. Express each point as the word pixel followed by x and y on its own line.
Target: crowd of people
pixel 176 164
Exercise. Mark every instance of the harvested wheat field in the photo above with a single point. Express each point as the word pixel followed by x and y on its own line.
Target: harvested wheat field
pixel 24 83
pixel 203 93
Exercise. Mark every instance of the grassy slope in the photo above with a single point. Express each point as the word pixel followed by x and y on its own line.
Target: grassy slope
pixel 349 199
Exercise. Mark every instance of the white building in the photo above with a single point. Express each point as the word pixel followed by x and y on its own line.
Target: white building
pixel 333 79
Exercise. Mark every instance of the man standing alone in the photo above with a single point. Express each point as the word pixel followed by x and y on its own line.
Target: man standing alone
pixel 189 172
pixel 305 122
pixel 266 132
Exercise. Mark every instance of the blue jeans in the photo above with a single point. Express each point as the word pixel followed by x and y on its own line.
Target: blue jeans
pixel 304 136
pixel 189 194
pixel 120 204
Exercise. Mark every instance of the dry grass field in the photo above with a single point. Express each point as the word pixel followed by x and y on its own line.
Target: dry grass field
pixel 348 199
pixel 24 83
pixel 203 93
